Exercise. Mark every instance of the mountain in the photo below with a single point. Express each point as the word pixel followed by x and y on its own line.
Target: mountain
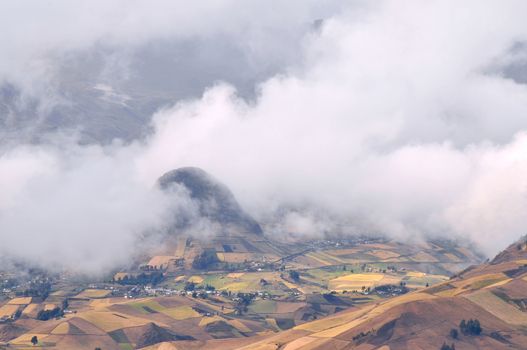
pixel 483 307
pixel 232 235
pixel 215 201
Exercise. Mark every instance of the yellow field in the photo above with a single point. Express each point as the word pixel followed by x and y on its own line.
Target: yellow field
pixel 403 299
pixel 415 274
pixel 498 307
pixel 235 274
pixel 300 343
pixel 161 261
pixel 49 307
pixel 208 320
pixel 20 301
pixel 111 321
pixel 101 303
pixel 384 254
pixel 478 282
pixel 94 293
pixel 181 313
pixel 179 278
pixel 63 328
pixel 360 277
pixel 236 286
pixel 196 279
pixel 355 281
pixel 8 310
pixel 30 308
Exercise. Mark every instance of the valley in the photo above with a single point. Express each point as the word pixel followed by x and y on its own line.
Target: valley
pixel 243 293
pixel 230 288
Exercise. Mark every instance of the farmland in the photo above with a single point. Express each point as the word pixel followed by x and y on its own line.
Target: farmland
pixel 492 293
pixel 281 291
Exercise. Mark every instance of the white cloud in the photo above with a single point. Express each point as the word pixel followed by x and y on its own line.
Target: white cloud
pixel 396 118
pixel 385 123
pixel 82 208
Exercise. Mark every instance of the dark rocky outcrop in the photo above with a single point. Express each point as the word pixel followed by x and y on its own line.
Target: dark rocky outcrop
pixel 215 201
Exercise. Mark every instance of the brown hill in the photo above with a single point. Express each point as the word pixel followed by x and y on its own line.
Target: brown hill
pixel 214 200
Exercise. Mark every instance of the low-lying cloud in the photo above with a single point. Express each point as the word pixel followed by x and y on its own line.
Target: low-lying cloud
pixel 399 122
pixel 397 119
pixel 82 209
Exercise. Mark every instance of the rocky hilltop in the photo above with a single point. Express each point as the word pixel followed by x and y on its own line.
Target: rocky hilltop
pixel 215 201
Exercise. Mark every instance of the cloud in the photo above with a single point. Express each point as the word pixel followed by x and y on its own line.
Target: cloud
pixel 39 39
pixel 390 118
pixel 389 122
pixel 82 209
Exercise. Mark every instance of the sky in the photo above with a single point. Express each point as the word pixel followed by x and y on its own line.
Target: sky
pixel 406 119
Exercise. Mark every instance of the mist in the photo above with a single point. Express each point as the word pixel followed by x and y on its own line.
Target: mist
pixel 404 120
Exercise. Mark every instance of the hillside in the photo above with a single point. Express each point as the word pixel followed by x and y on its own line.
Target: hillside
pixel 493 293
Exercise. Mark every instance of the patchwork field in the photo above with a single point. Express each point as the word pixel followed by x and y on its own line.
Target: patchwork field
pixel 358 281
pixel 94 293
pixel 494 294
pixel 110 321
pixel 181 313
pixel 192 309
pixel 161 261
pixel 20 301
pixel 8 310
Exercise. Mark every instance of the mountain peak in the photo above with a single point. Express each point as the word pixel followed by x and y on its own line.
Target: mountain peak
pixel 216 201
